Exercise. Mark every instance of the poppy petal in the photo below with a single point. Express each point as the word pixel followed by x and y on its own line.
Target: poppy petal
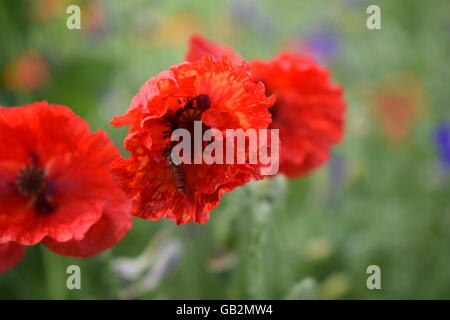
pixel 110 229
pixel 10 254
pixel 199 47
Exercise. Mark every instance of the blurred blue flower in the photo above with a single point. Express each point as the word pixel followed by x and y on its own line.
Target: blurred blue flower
pixel 442 143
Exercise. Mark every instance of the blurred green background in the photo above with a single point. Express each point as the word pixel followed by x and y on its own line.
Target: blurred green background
pixel 383 199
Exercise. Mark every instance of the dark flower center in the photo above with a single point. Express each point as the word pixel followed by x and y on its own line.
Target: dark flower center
pixel 31 182
pixel 185 116
pixel 273 110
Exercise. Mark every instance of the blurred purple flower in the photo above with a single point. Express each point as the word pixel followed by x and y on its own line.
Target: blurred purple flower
pixel 323 44
pixel 442 143
pixel 250 13
pixel 357 4
pixel 338 174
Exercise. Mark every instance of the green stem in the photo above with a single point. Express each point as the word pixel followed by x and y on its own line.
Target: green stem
pixel 113 281
pixel 256 274
pixel 55 274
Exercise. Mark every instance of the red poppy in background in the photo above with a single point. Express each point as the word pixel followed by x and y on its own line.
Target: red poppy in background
pixel 27 73
pixel 218 93
pixel 309 110
pixel 397 102
pixel 55 185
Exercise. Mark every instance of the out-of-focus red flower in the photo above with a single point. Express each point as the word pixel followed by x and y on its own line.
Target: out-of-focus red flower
pixel 27 73
pixel 218 93
pixel 95 17
pixel 309 110
pixel 44 10
pixel 396 104
pixel 55 184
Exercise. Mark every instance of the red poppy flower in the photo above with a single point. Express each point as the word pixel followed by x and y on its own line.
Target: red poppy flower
pixel 55 184
pixel 309 110
pixel 218 93
pixel 396 103
pixel 199 47
pixel 27 73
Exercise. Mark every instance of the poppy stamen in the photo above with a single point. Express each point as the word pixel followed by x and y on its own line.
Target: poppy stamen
pixel 32 183
pixel 184 118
